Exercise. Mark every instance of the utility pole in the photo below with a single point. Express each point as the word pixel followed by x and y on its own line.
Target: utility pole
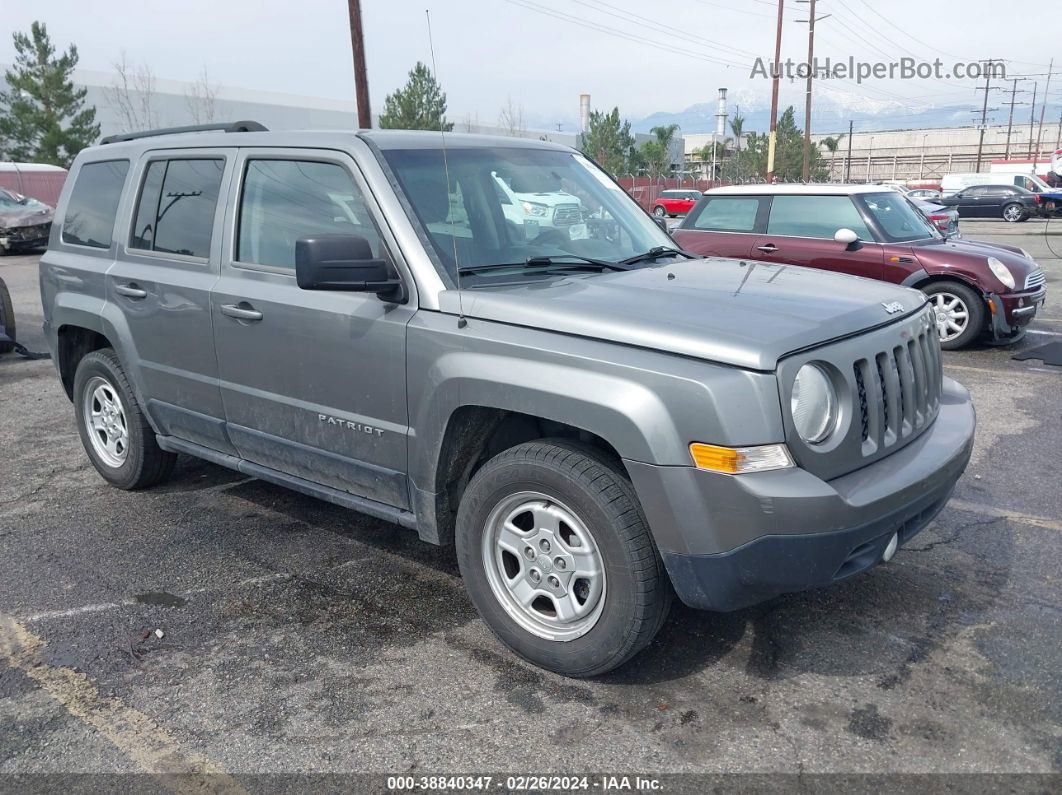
pixel 776 73
pixel 361 79
pixel 1043 108
pixel 984 110
pixel 1010 121
pixel 811 20
pixel 1032 119
pixel 848 160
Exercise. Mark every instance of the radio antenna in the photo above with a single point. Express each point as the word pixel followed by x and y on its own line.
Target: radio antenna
pixel 461 321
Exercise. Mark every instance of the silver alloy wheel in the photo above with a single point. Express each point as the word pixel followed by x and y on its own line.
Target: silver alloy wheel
pixel 544 566
pixel 659 211
pixel 105 421
pixel 952 315
pixel 1012 212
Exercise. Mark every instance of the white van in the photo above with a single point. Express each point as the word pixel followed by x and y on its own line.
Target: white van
pixel 953 183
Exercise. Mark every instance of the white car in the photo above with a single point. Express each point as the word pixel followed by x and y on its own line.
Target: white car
pixel 538 209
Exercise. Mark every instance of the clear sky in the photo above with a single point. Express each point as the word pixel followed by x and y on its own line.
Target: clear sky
pixel 642 56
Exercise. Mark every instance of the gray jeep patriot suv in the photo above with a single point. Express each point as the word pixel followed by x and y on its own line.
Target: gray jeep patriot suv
pixel 597 420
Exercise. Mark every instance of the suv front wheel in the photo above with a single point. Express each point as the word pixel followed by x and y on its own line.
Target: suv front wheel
pixel 557 558
pixel 116 434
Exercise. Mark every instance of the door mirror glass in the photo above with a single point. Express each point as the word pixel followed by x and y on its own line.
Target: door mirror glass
pixel 344 263
pixel 846 236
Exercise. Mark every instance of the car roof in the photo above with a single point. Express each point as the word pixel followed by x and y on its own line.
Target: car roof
pixel 1003 185
pixel 798 189
pixel 326 139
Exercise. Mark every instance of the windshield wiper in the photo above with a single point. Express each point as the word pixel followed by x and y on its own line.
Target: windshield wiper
pixel 656 253
pixel 551 263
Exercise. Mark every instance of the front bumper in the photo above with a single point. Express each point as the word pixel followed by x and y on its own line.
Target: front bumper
pixel 1011 312
pixel 732 541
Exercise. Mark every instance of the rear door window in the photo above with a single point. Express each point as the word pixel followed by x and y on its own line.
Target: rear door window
pixel 93 204
pixel 175 211
pixel 815 216
pixel 729 213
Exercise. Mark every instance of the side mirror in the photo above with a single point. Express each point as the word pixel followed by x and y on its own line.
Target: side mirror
pixel 662 223
pixel 344 263
pixel 848 237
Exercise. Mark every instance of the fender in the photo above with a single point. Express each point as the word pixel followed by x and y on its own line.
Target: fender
pixel 649 406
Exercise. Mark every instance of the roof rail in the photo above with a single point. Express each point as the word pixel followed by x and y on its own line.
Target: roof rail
pixel 233 126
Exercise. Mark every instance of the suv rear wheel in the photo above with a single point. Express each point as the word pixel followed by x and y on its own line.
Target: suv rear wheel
pixel 558 559
pixel 659 211
pixel 960 313
pixel 116 435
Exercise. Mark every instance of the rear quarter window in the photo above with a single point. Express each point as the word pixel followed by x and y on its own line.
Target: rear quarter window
pixel 93 204
pixel 728 214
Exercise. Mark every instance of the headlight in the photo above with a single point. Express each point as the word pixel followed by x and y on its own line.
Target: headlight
pixel 1001 272
pixel 532 208
pixel 813 404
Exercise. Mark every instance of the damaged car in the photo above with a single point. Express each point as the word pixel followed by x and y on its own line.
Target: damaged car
pixel 25 222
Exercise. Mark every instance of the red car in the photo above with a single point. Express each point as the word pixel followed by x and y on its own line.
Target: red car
pixel 675 202
pixel 978 288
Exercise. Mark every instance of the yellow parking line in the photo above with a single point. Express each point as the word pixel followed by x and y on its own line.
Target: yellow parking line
pixel 146 743
pixel 1003 513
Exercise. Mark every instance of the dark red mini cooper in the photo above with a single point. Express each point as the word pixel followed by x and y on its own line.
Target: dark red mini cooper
pixel 979 289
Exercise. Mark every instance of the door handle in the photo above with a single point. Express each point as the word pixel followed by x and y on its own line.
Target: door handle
pixel 770 248
pixel 130 291
pixel 244 312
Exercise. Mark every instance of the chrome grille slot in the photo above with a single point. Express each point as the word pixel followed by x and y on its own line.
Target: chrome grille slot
pixel 567 214
pixel 861 395
pixel 1035 279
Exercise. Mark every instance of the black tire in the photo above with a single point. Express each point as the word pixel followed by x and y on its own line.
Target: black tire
pixel 1017 217
pixel 145 463
pixel 637 594
pixel 659 211
pixel 975 307
pixel 7 319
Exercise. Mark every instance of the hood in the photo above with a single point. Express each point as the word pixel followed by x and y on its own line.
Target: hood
pixel 14 217
pixel 965 253
pixel 745 314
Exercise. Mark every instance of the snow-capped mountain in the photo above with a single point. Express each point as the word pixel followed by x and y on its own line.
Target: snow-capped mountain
pixel 832 111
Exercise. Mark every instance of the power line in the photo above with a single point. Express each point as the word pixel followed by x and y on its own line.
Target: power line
pixel 661 28
pixel 616 32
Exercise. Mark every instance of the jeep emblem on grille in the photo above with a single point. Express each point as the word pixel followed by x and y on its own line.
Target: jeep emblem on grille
pixel 892 307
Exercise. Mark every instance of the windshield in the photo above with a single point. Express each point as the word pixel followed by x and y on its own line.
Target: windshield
pixel 898 219
pixel 14 200
pixel 505 205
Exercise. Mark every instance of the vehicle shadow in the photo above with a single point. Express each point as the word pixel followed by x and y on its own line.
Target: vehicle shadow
pixel 880 623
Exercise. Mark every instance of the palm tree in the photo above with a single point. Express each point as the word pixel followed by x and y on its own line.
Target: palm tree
pixel 661 151
pixel 737 126
pixel 832 144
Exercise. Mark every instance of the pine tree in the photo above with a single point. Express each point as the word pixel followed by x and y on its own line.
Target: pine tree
pixel 42 115
pixel 608 141
pixel 419 105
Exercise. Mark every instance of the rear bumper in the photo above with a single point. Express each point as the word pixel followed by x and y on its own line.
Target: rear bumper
pixel 729 542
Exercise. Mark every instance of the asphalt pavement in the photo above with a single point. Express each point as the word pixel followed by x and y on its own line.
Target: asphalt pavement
pixel 220 625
